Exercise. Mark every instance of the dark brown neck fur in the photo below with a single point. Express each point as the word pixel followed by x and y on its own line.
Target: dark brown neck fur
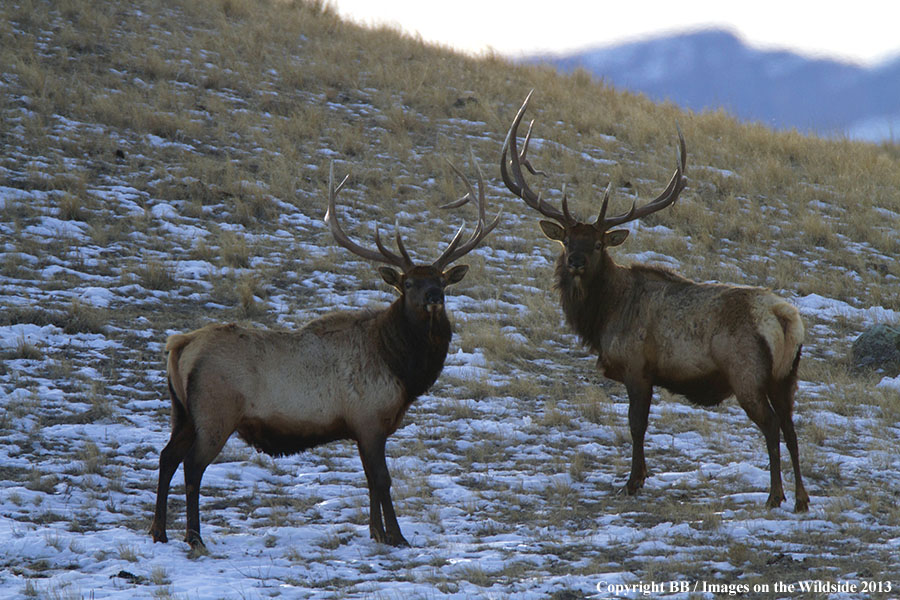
pixel 414 349
pixel 588 302
pixel 611 289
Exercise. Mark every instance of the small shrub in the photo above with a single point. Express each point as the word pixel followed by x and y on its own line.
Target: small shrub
pixel 81 318
pixel 234 250
pixel 156 275
pixel 27 350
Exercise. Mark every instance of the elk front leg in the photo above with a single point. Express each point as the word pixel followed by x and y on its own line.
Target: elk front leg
pixel 639 395
pixel 379 480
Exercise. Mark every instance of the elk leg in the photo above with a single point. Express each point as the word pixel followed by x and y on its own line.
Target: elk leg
pixel 376 526
pixel 193 474
pixel 640 394
pixel 171 456
pixel 757 407
pixel 379 480
pixel 782 400
pixel 202 452
pixel 801 500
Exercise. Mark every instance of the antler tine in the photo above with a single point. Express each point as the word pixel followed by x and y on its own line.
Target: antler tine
pixel 456 203
pixel 456 251
pixel 383 256
pixel 565 205
pixel 512 159
pixel 668 197
pixel 400 245
pixel 470 191
pixel 522 159
pixel 604 205
pixel 403 261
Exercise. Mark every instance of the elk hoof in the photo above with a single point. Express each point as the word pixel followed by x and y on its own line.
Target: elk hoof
pixel 391 539
pixel 633 485
pixel 801 505
pixel 397 539
pixel 158 534
pixel 774 500
pixel 198 548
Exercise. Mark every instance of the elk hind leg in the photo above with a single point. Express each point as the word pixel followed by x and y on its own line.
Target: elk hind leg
pixel 204 450
pixel 176 449
pixel 756 404
pixel 781 395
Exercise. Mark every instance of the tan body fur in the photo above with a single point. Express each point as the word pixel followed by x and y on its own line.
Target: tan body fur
pixel 309 382
pixel 688 331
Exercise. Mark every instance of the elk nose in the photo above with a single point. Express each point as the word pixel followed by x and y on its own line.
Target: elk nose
pixel 576 261
pixel 434 296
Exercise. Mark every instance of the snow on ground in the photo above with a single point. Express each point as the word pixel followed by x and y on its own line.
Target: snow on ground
pixel 485 488
pixel 507 474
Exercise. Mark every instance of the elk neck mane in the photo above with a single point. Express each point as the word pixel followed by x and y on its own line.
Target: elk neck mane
pixel 589 304
pixel 414 350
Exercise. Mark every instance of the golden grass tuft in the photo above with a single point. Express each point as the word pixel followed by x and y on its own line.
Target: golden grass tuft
pixel 156 275
pixel 234 250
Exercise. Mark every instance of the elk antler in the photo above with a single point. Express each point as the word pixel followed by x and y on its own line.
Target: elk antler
pixel 453 252
pixel 516 182
pixel 676 184
pixel 514 163
pixel 403 261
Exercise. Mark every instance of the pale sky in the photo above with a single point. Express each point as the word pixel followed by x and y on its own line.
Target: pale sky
pixel 863 31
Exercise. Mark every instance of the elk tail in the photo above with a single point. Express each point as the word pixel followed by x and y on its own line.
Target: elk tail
pixel 793 331
pixel 174 345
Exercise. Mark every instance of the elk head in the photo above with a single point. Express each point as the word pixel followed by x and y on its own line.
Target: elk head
pixel 421 287
pixel 584 244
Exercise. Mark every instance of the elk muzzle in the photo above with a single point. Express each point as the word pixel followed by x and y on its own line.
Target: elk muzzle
pixel 576 263
pixel 434 300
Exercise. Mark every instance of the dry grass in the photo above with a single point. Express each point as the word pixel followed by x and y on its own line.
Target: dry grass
pixel 156 275
pixel 230 112
pixel 781 171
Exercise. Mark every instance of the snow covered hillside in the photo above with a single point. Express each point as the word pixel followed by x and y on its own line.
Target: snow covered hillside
pixel 163 166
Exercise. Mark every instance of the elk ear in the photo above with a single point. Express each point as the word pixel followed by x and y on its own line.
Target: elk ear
pixel 553 230
pixel 392 278
pixel 455 274
pixel 615 237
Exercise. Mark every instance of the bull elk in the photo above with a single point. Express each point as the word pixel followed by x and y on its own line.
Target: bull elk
pixel 347 375
pixel 652 327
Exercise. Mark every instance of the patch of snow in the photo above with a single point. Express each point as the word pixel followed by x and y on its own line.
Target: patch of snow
pixel 814 305
pixel 97 296
pixel 891 383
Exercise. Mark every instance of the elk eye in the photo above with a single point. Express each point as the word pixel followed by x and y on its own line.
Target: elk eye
pixel 598 245
pixel 408 284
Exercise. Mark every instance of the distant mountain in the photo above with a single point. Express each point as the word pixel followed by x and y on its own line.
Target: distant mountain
pixel 714 68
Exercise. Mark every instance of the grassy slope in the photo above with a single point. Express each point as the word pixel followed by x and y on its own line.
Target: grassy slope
pixel 230 113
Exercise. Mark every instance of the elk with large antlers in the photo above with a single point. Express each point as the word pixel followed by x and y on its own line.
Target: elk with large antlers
pixel 347 375
pixel 653 327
